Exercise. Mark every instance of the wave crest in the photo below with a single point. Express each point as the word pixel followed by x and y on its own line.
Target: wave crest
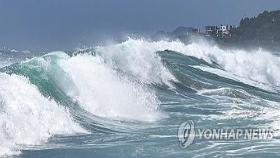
pixel 27 118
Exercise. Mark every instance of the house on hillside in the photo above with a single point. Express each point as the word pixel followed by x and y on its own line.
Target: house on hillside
pixel 221 31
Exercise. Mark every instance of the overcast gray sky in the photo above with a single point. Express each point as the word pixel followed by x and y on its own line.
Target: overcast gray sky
pixel 64 24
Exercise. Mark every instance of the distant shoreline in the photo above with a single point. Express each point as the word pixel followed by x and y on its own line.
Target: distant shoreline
pixel 262 31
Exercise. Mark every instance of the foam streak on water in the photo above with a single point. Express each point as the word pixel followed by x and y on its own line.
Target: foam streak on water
pixel 146 88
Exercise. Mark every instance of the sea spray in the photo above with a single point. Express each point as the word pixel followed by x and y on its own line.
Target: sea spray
pixel 104 92
pixel 28 118
pixel 136 83
pixel 136 55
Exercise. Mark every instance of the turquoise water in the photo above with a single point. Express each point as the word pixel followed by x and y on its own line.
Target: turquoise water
pixel 128 100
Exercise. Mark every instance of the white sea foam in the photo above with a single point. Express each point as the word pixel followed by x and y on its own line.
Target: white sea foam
pixel 230 75
pixel 258 68
pixel 137 58
pixel 104 92
pixel 134 56
pixel 259 65
pixel 27 118
pixel 5 62
pixel 98 87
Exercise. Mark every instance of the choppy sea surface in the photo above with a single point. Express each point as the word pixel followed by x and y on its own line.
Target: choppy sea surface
pixel 128 99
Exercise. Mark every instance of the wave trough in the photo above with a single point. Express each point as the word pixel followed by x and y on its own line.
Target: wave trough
pixel 145 83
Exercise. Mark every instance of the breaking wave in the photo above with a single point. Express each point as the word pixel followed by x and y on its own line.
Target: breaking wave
pixel 64 94
pixel 28 118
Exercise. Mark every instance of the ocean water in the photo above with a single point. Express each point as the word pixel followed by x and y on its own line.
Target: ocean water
pixel 128 100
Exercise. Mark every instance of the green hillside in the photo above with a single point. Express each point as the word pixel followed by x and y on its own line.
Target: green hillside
pixel 263 30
